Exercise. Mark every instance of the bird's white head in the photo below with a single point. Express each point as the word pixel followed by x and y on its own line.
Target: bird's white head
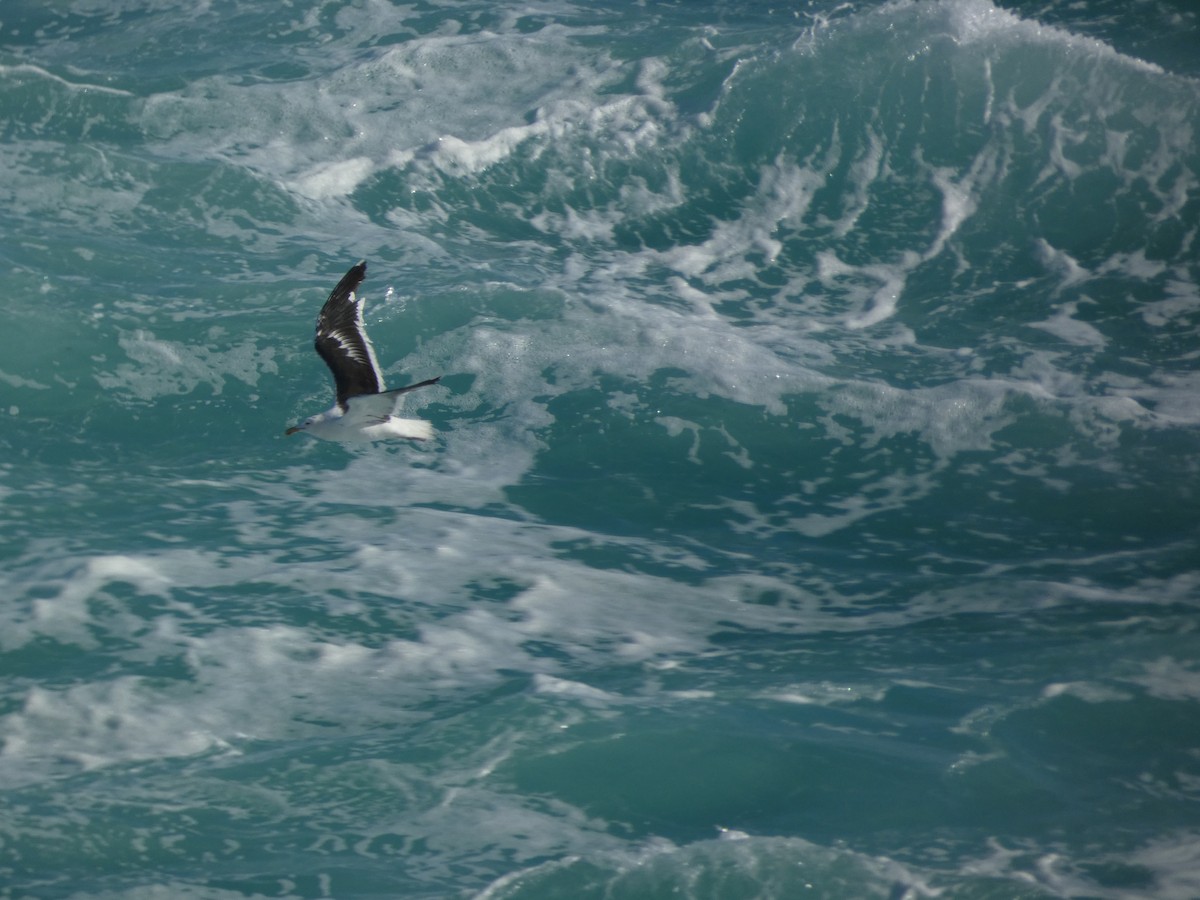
pixel 295 429
pixel 319 425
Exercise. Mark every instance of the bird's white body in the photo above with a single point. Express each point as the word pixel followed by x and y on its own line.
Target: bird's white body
pixel 369 417
pixel 365 410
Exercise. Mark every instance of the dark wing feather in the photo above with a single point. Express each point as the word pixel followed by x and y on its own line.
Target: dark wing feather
pixel 342 340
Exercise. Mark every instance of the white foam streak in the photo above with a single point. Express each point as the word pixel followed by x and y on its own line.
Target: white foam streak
pixel 881 301
pixel 1169 679
pixel 338 178
pixel 66 616
pixel 97 724
pixel 1175 862
pixel 158 368
pixel 784 193
pixel 82 87
pixel 865 171
pixel 1066 327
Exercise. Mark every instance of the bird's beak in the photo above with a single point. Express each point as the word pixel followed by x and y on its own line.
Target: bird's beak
pixel 293 429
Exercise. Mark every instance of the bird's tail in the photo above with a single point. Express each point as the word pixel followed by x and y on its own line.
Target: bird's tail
pixel 413 429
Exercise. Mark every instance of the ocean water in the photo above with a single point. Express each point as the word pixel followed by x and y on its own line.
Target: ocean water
pixel 814 509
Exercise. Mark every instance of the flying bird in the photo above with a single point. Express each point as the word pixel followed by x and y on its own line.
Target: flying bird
pixel 365 410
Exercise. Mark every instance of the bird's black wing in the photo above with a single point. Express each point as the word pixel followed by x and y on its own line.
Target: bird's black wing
pixel 342 340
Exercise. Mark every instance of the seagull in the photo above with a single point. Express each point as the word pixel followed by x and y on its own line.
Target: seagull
pixel 365 409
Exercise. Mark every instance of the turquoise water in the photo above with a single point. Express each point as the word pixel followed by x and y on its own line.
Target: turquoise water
pixel 814 504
